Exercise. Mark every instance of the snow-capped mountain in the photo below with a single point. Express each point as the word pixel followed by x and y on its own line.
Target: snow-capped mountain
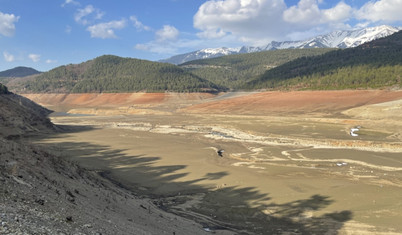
pixel 336 39
pixel 201 54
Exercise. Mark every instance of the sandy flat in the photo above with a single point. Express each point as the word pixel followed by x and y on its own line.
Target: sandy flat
pixel 301 172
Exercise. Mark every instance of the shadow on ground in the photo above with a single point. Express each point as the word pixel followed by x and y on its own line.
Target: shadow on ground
pixel 244 210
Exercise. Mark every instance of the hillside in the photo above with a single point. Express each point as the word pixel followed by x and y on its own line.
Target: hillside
pixel 19 72
pixel 234 70
pixel 375 64
pixel 115 74
pixel 20 116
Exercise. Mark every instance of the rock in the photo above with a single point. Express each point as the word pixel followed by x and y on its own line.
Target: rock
pixel 40 201
pixel 87 226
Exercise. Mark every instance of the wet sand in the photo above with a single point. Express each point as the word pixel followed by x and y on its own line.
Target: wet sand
pixel 294 173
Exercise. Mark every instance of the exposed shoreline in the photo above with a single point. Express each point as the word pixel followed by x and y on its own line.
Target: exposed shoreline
pixel 274 162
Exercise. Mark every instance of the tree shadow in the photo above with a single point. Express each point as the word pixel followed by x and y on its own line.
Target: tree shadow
pixel 244 210
pixel 232 206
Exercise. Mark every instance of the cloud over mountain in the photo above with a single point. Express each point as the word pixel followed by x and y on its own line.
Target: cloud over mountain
pixel 244 19
pixel 383 10
pixel 34 57
pixel 256 21
pixel 8 57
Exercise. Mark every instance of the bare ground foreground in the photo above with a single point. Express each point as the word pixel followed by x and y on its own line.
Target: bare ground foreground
pixel 289 166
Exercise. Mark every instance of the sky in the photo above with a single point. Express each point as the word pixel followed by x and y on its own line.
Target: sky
pixel 44 34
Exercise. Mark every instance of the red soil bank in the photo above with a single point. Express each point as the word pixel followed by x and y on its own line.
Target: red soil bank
pixel 296 102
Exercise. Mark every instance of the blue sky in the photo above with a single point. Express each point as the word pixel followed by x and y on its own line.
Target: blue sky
pixel 44 34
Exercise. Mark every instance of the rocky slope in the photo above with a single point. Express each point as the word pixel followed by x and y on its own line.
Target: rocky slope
pixel 20 116
pixel 44 194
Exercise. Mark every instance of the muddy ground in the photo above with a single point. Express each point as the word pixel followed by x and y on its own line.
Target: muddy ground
pixel 287 166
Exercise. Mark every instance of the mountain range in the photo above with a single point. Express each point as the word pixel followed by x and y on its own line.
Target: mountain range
pixel 336 39
pixel 375 64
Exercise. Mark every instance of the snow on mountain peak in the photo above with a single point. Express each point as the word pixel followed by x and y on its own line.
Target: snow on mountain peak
pixel 222 50
pixel 336 39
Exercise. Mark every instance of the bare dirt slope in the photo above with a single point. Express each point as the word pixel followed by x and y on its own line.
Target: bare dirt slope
pixel 41 193
pixel 21 116
pixel 263 103
pixel 113 100
pixel 296 102
pixel 386 110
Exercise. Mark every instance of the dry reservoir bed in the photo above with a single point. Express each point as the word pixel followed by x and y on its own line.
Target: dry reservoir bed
pixel 277 174
pixel 289 166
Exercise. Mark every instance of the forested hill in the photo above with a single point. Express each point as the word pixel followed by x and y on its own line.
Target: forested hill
pixel 376 64
pixel 234 70
pixel 19 72
pixel 116 74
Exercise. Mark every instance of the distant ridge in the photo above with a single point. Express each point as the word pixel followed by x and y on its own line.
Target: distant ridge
pixel 336 39
pixel 233 71
pixel 19 72
pixel 375 64
pixel 201 54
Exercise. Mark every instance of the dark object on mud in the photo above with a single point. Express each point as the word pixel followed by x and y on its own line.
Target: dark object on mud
pixel 220 152
pixel 40 201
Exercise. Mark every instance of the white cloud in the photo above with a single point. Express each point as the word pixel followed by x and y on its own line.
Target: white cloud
pixel 8 57
pixel 166 47
pixel 306 11
pixel 340 13
pixel 212 34
pixel 261 21
pixel 137 24
pixel 82 15
pixel 183 45
pixel 51 61
pixel 242 18
pixel 142 47
pixel 106 30
pixel 167 33
pixel 7 24
pixel 165 41
pixel 382 10
pixel 70 2
pixel 34 57
pixel 307 14
pixel 157 48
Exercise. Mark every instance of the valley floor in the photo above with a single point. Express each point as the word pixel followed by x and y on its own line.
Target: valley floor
pixel 289 163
